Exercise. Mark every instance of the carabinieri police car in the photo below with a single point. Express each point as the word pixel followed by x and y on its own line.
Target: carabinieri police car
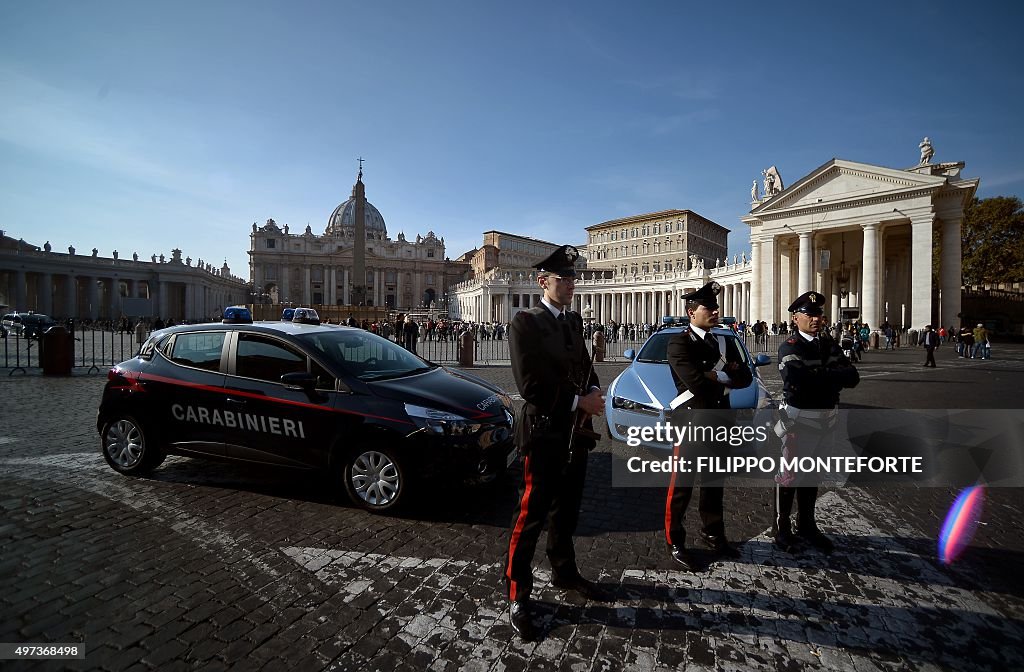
pixel 376 417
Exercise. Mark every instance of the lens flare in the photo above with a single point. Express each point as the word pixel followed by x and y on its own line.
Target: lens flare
pixel 961 523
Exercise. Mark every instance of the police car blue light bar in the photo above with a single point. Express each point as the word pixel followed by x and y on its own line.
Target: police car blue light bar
pixel 237 315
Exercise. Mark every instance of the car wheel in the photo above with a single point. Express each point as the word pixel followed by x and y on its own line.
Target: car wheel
pixel 375 479
pixel 126 449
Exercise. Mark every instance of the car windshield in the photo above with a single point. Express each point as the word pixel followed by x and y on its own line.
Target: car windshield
pixel 365 355
pixel 655 350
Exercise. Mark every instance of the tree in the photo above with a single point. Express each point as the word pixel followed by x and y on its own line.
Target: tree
pixel 993 241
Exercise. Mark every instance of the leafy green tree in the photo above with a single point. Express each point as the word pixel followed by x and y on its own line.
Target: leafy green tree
pixel 993 241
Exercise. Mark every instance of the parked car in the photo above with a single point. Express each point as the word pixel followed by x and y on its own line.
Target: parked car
pixel 640 395
pixel 27 325
pixel 339 400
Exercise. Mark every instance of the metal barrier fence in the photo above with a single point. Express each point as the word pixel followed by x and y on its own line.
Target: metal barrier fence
pixel 94 350
pixel 97 349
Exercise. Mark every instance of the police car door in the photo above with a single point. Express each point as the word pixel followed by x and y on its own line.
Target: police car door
pixel 273 423
pixel 186 384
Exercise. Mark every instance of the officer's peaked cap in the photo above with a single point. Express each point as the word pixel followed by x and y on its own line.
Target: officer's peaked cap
pixel 706 296
pixel 560 262
pixel 809 303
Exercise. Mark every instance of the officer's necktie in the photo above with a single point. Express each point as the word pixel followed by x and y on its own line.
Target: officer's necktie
pixel 561 317
pixel 709 338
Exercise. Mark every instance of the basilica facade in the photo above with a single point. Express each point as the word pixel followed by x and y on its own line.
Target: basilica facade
pixel 317 269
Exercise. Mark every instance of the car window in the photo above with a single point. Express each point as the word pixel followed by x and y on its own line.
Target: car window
pixel 201 350
pixel 655 349
pixel 364 355
pixel 266 358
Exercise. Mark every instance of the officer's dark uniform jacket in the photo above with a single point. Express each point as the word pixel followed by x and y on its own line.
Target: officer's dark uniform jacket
pixel 813 372
pixel 550 364
pixel 690 357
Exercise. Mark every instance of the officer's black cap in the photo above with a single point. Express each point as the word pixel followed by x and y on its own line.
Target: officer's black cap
pixel 561 262
pixel 706 296
pixel 809 303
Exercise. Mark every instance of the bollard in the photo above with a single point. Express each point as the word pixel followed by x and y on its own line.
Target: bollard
pixel 466 349
pixel 55 352
pixel 873 340
pixel 140 333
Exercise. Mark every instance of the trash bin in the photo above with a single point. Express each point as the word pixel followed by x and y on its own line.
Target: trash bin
pixel 873 340
pixel 140 333
pixel 55 352
pixel 466 348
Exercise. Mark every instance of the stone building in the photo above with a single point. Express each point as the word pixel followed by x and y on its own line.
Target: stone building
pixel 67 284
pixel 311 269
pixel 657 242
pixel 630 270
pixel 882 243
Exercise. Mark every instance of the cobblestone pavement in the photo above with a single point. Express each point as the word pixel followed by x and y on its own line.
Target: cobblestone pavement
pixel 207 565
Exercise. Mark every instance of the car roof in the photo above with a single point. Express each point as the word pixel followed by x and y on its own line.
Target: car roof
pixel 681 328
pixel 268 326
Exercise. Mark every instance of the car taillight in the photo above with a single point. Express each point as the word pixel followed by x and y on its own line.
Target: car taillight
pixel 115 376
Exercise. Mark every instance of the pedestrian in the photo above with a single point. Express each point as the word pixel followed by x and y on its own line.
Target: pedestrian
pixel 814 370
pixel 980 341
pixel 704 368
pixel 557 381
pixel 930 341
pixel 966 342
pixel 411 332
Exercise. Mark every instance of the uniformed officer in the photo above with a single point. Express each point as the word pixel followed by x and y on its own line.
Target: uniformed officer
pixel 556 378
pixel 814 370
pixel 704 369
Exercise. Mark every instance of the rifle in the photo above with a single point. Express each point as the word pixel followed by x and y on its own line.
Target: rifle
pixel 579 417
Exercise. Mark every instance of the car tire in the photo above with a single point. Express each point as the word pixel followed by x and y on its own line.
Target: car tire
pixel 375 478
pixel 126 447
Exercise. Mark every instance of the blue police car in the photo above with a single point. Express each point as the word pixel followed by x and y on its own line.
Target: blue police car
pixel 340 400
pixel 641 395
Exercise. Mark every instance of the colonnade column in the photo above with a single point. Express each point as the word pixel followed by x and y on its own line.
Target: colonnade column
pixel 71 297
pixel 950 273
pixel 806 278
pixel 921 237
pixel 757 283
pixel 869 286
pixel 20 291
pixel 94 298
pixel 44 290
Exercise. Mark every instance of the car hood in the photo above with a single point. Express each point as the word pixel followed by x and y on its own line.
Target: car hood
pixel 647 383
pixel 651 383
pixel 447 390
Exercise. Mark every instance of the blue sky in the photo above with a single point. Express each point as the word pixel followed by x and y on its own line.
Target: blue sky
pixel 145 126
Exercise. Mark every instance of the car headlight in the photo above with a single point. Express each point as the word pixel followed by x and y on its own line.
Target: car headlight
pixel 634 406
pixel 440 422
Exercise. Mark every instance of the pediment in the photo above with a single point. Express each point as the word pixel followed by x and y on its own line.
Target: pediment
pixel 840 181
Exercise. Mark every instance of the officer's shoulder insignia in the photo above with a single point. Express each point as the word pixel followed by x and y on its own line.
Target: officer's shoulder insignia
pixel 791 340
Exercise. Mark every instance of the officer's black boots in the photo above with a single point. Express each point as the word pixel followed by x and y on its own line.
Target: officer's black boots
pixel 682 557
pixel 720 546
pixel 814 537
pixel 586 589
pixel 520 616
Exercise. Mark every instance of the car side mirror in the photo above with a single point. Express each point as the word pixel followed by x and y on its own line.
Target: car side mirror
pixel 629 354
pixel 299 380
pixel 762 359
